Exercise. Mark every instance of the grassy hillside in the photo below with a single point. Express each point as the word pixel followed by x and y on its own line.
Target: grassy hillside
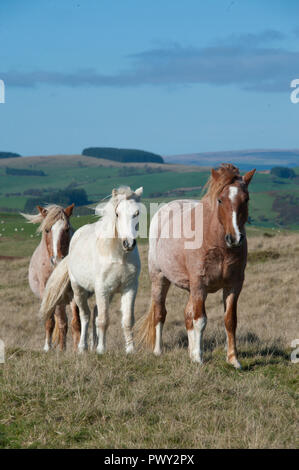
pixel 66 400
pixel 274 201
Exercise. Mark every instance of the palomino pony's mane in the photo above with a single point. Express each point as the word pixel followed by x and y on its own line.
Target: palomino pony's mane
pixel 227 174
pixel 123 192
pixel 107 239
pixel 54 213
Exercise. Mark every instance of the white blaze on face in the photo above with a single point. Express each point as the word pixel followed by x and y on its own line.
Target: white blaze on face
pixel 233 191
pixel 56 232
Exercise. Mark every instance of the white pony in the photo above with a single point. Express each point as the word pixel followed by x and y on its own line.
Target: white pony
pixel 103 259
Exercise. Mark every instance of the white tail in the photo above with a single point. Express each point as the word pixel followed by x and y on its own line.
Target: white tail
pixel 57 288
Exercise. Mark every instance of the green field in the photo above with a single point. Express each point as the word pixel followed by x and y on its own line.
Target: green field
pixel 270 205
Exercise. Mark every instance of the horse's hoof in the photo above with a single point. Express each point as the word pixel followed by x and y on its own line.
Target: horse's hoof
pixel 197 360
pixel 235 363
pixel 100 351
pixel 157 352
pixel 195 357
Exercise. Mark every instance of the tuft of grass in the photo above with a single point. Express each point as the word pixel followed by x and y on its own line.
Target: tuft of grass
pixel 262 256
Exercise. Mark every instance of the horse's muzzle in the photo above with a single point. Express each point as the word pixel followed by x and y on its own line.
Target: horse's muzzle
pixel 232 242
pixel 55 261
pixel 129 245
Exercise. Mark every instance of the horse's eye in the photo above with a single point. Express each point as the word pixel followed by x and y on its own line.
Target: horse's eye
pixel 116 214
pixel 219 200
pixel 136 214
pixel 47 230
pixel 247 199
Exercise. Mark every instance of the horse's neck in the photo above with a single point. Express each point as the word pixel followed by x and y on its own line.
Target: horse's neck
pixel 43 246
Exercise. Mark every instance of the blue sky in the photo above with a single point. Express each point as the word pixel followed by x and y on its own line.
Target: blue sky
pixel 169 76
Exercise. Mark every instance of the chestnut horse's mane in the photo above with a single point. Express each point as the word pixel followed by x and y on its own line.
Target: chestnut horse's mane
pixel 227 174
pixel 54 213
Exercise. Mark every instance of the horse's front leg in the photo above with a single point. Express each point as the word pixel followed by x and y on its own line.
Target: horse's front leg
pixel 101 320
pixel 230 300
pixel 196 320
pixel 127 309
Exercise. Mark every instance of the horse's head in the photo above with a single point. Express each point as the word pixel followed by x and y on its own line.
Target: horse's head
pixel 127 210
pixel 56 230
pixel 232 205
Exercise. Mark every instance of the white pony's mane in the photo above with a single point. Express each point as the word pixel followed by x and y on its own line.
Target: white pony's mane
pixel 54 213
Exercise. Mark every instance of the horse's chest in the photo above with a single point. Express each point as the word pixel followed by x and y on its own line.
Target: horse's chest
pixel 118 275
pixel 218 270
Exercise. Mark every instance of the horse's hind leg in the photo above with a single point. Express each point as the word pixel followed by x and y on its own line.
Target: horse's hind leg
pixel 76 325
pixel 61 319
pixel 230 300
pixel 50 324
pixel 160 286
pixel 94 339
pixel 80 298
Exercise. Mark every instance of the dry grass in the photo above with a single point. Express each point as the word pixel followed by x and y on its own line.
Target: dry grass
pixel 114 401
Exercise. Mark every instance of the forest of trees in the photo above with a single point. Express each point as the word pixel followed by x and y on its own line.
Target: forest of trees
pixel 9 155
pixel 123 155
pixel 63 197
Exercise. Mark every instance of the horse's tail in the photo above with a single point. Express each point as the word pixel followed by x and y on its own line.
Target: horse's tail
pixel 57 289
pixel 145 329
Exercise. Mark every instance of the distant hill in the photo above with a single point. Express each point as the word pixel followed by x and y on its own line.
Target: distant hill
pixel 9 155
pixel 274 199
pixel 123 155
pixel 262 159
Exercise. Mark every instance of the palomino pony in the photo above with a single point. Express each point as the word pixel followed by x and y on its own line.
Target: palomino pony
pixel 219 262
pixel 103 259
pixel 53 247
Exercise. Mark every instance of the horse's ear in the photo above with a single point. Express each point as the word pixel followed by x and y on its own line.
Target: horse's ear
pixel 69 210
pixel 248 176
pixel 139 191
pixel 114 192
pixel 215 174
pixel 42 210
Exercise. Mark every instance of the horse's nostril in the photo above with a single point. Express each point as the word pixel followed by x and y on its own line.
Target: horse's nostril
pixel 125 244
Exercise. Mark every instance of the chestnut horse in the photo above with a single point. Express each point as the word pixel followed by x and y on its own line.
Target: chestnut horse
pixel 56 235
pixel 217 263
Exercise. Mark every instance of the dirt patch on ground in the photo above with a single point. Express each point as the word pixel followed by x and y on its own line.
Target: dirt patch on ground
pixel 10 258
